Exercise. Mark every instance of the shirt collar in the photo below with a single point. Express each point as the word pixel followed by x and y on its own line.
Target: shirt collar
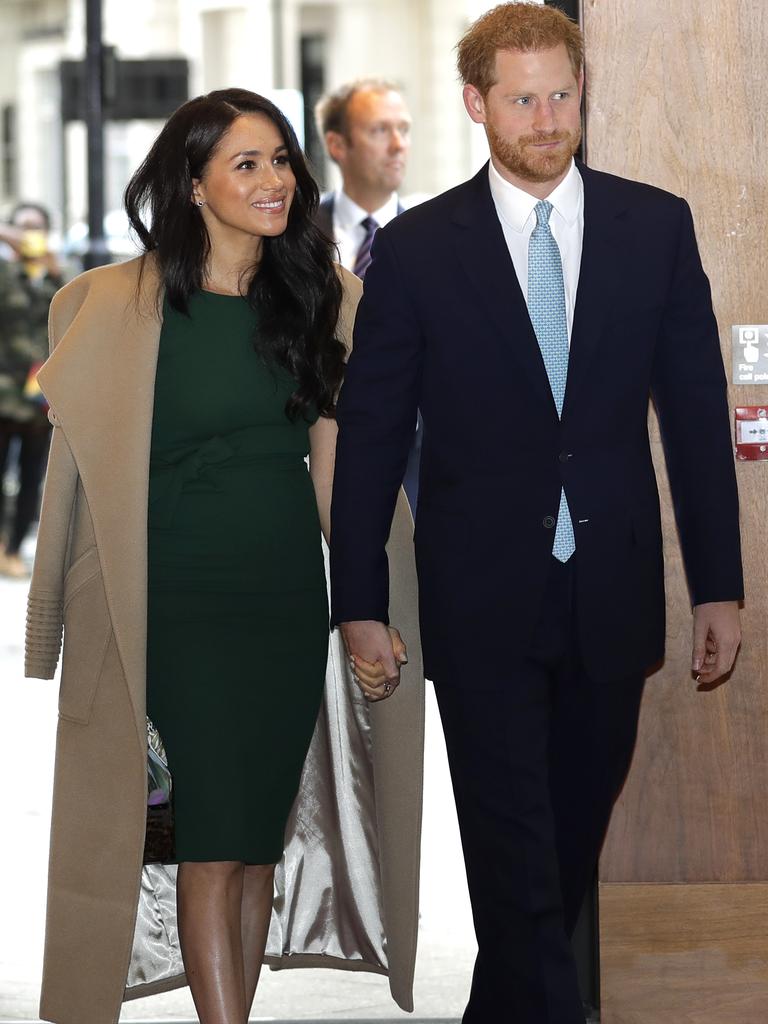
pixel 515 206
pixel 348 214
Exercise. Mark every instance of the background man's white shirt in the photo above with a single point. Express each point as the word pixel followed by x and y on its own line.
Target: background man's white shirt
pixel 347 217
pixel 515 209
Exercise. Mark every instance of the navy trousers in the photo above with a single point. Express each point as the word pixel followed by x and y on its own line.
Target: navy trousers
pixel 538 754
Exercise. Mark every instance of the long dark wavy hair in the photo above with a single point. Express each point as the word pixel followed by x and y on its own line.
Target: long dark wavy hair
pixel 295 289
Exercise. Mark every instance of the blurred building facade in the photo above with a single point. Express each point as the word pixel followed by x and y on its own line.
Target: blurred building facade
pixel 302 45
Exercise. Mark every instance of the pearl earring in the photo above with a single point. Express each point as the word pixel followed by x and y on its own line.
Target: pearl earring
pixel 200 202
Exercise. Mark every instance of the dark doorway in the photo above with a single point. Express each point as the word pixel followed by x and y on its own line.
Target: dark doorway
pixel 313 59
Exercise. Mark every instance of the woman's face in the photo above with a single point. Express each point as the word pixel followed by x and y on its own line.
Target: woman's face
pixel 248 185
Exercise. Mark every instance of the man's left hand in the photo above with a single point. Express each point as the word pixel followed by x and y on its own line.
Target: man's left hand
pixel 716 639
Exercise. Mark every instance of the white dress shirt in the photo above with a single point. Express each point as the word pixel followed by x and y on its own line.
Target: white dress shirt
pixel 347 218
pixel 515 209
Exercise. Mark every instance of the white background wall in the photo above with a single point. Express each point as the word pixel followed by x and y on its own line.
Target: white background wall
pixel 234 43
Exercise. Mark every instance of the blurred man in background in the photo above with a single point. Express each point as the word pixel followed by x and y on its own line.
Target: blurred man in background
pixel 366 128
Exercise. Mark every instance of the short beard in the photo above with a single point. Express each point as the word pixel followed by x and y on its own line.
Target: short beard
pixel 528 165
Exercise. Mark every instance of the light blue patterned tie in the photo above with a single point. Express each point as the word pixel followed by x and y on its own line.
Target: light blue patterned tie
pixel 546 307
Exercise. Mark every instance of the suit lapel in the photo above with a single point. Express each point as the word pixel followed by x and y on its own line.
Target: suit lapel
pixel 485 258
pixel 601 248
pixel 100 385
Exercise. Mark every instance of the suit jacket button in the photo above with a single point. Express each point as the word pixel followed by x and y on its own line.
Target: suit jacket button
pixel 548 522
pixel 565 456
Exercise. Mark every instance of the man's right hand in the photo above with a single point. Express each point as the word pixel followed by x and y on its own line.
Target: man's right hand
pixel 376 652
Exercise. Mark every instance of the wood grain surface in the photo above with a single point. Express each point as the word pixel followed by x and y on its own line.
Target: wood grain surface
pixel 676 97
pixel 684 954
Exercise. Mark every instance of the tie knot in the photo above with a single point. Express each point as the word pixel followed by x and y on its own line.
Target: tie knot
pixel 369 225
pixel 543 210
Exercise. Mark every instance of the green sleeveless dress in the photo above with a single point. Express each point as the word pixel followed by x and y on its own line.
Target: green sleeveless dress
pixel 237 611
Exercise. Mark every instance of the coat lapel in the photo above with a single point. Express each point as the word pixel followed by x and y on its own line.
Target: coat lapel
pixel 485 258
pixel 601 247
pixel 100 385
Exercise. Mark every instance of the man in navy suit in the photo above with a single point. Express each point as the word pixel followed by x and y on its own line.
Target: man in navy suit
pixel 531 313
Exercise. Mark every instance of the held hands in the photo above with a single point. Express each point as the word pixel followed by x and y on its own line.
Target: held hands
pixel 376 653
pixel 716 638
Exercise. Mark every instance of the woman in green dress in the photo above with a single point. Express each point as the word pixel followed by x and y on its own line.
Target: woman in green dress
pixel 248 370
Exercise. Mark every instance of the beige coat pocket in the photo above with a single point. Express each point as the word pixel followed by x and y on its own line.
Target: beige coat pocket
pixel 87 632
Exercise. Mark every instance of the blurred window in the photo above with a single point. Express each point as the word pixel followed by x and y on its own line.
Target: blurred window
pixel 8 148
pixel 313 61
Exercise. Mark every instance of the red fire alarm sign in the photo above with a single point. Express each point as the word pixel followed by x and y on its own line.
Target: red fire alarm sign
pixel 751 432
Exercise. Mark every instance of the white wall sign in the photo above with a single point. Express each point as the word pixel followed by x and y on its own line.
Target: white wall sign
pixel 750 353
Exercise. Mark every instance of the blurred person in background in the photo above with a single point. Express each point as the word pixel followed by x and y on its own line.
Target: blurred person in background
pixel 366 128
pixel 29 278
pixel 181 533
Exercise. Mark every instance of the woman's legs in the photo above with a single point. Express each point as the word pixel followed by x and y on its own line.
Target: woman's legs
pixel 258 885
pixel 33 455
pixel 208 897
pixel 7 430
pixel 224 908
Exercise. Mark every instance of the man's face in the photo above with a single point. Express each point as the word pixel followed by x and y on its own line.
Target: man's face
pixel 373 155
pixel 531 115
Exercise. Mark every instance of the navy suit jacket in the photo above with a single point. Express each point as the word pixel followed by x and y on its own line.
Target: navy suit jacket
pixel 443 325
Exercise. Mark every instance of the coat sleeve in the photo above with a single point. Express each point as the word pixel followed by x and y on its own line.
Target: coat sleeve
pixel 376 416
pixel 45 604
pixel 690 394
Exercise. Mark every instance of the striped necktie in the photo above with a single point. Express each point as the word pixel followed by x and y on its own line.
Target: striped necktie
pixel 363 258
pixel 546 306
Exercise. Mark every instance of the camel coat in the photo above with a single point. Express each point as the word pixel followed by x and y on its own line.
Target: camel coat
pixel 347 888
